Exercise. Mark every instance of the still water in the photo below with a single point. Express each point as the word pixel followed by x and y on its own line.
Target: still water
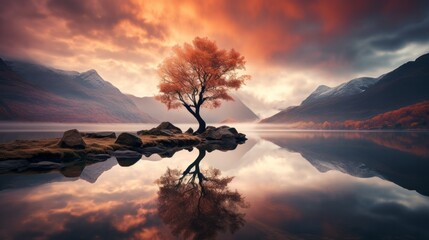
pixel 278 185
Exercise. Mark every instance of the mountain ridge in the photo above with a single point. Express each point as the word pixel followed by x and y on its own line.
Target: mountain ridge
pixel 33 92
pixel 406 85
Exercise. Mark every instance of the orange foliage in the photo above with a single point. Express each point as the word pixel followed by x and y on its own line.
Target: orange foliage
pixel 415 116
pixel 199 75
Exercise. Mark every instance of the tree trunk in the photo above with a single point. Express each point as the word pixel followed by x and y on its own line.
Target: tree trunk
pixel 201 123
pixel 196 114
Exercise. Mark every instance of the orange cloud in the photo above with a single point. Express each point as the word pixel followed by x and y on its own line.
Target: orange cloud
pixel 126 40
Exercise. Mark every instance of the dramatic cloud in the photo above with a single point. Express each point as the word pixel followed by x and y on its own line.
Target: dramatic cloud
pixel 290 46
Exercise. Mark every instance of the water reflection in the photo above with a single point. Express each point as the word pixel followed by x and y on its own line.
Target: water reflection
pixel 197 203
pixel 399 157
pixel 314 186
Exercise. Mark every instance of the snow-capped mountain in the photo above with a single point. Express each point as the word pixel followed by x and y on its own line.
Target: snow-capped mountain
pixel 352 87
pixel 362 98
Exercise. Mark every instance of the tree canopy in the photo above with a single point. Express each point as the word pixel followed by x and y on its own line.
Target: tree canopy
pixel 200 75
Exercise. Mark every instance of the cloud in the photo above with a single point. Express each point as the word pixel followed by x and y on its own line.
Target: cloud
pixel 322 42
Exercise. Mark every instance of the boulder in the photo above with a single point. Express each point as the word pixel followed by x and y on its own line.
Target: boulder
pixel 129 139
pixel 241 138
pixel 223 133
pixel 189 131
pixel 164 129
pixel 231 129
pixel 72 139
pixel 156 132
pixel 169 126
pixel 220 133
pixel 166 132
pixel 144 132
pixel 100 135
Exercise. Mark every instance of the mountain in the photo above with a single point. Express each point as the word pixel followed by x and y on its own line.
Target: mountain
pixel 236 110
pixel 32 92
pixel 350 88
pixel 363 98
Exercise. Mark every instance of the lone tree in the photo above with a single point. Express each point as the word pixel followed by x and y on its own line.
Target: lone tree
pixel 199 75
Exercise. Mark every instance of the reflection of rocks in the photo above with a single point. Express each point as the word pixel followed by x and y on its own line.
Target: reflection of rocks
pixel 93 157
pixel 127 158
pixel 45 165
pixel 210 146
pixel 54 156
pixel 99 135
pixel 173 142
pixel 128 139
pixel 13 165
pixel 202 209
pixel 72 139
pixel 73 170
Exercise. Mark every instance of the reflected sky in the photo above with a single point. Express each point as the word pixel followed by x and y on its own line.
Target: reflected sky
pixel 298 186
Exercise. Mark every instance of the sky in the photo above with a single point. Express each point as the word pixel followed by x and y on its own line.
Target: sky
pixel 291 47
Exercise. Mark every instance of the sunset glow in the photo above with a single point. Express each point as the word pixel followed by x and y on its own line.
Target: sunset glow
pixel 290 47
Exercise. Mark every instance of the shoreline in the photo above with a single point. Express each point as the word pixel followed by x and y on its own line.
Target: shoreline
pixel 88 148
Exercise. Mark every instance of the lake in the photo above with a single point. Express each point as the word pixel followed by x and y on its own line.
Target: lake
pixel 277 185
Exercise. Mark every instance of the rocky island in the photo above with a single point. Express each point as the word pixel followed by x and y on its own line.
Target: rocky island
pixel 76 148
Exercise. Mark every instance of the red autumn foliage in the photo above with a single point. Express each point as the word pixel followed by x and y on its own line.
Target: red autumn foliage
pixel 199 75
pixel 415 116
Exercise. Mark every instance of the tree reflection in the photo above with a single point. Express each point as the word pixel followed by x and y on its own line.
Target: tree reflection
pixel 198 203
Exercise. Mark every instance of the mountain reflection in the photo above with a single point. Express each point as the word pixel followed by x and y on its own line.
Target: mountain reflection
pixel 197 203
pixel 399 157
